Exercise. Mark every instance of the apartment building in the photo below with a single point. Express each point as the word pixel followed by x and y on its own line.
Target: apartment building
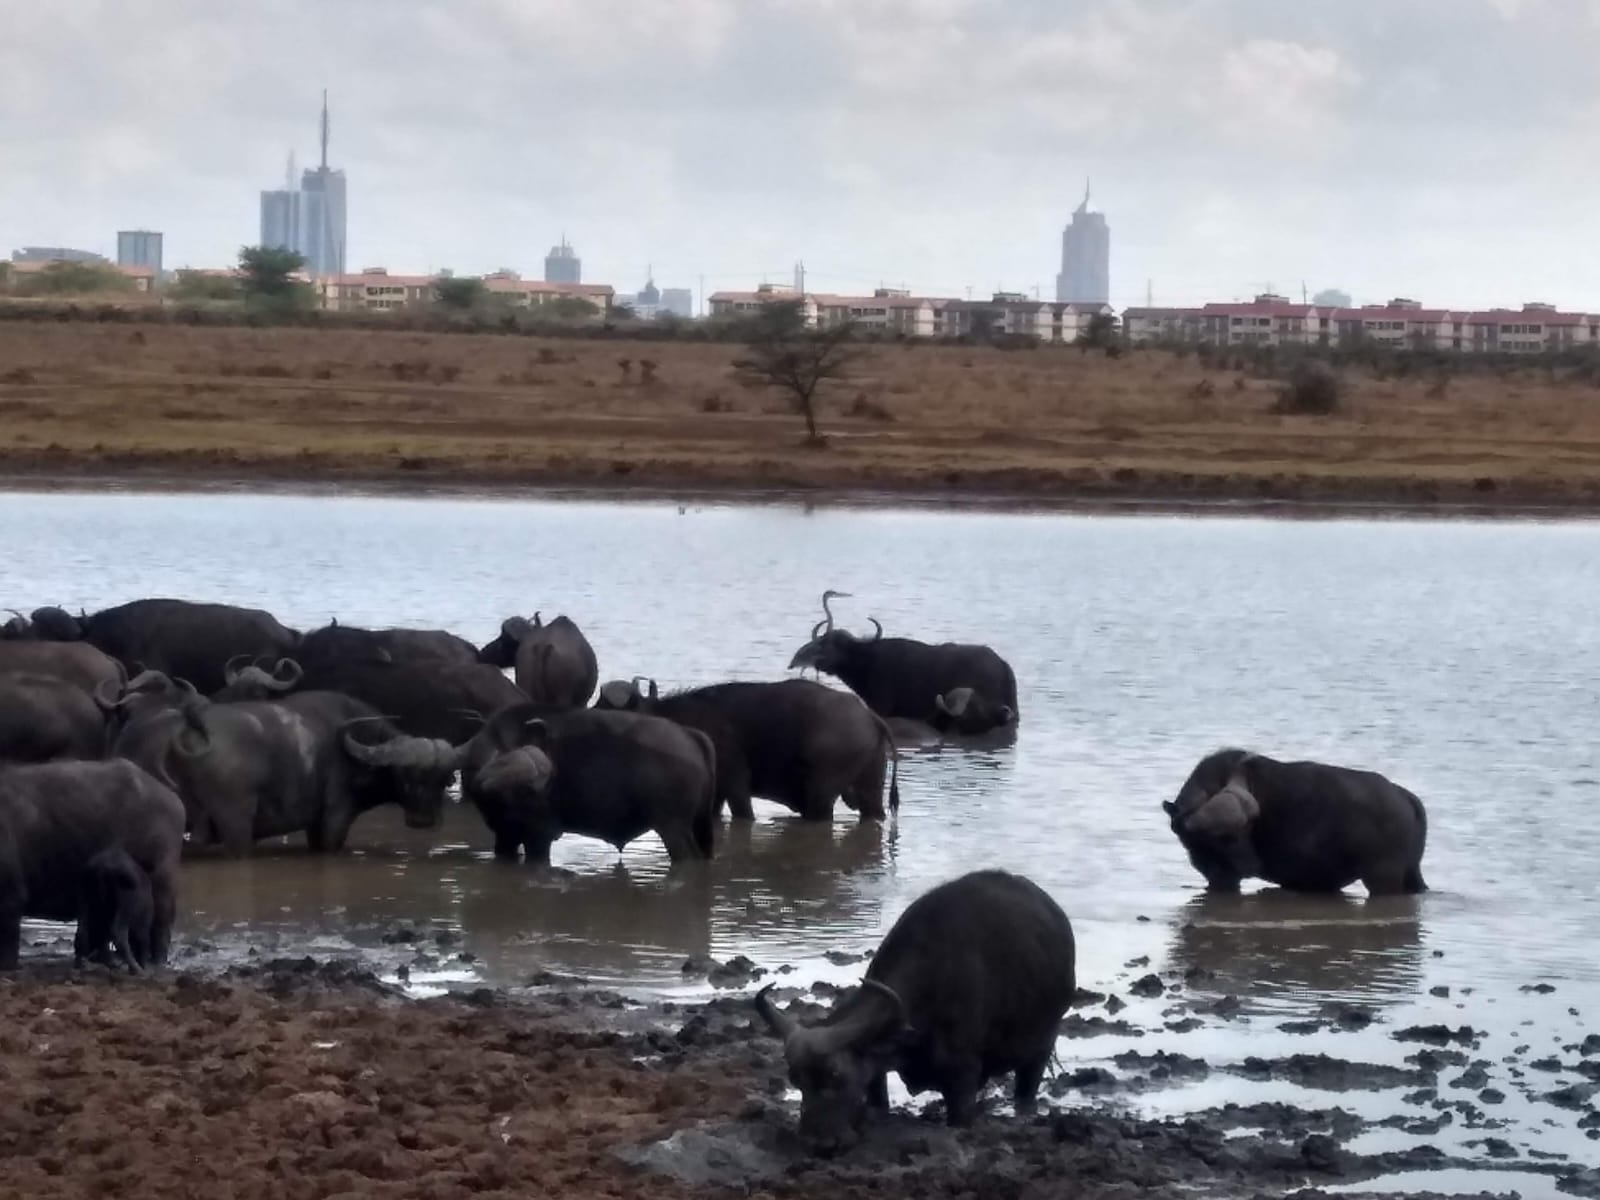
pixel 896 312
pixel 1402 323
pixel 375 289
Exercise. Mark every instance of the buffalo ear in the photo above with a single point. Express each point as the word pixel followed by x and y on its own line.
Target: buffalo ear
pixel 1169 807
pixel 537 734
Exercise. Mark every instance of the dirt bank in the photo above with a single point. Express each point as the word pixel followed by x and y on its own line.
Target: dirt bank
pixel 84 402
pixel 300 1079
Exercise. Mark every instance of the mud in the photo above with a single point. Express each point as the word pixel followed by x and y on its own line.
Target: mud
pixel 300 1077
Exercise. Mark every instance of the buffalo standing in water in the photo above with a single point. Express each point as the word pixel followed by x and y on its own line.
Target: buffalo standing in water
pixel 1304 826
pixel 555 665
pixel 900 677
pixel 970 983
pixel 796 742
pixel 176 637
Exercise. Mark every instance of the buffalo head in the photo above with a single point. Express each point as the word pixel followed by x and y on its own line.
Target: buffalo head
pixel 17 629
pixel 626 694
pixel 962 710
pixel 146 692
pixel 502 652
pixel 830 648
pixel 249 680
pixel 415 771
pixel 833 1063
pixel 1214 817
pixel 53 624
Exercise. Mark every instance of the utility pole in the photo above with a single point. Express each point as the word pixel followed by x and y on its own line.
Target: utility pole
pixel 702 305
pixel 1149 293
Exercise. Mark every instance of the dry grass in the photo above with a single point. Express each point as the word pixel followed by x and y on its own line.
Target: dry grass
pixel 78 398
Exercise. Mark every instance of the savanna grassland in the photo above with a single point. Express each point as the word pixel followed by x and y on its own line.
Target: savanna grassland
pixel 172 403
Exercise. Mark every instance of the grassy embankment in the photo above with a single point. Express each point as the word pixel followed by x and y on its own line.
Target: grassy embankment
pixel 80 400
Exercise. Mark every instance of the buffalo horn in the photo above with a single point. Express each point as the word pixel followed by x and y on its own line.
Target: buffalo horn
pixel 287 673
pixel 103 696
pixel 899 1004
pixel 780 1023
pixel 231 669
pixel 878 635
pixel 403 752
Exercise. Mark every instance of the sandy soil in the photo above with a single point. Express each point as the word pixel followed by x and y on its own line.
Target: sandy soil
pixel 85 401
pixel 299 1079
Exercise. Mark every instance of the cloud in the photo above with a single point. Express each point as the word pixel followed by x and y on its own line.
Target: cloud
pixel 1436 147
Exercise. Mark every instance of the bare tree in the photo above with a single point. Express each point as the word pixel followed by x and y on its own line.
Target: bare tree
pixel 782 353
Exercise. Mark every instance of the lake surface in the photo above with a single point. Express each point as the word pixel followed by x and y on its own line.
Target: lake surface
pixel 1459 658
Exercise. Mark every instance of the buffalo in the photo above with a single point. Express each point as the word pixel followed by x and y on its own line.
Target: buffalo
pixel 554 663
pixel 970 983
pixel 337 643
pixel 55 818
pixel 312 762
pixel 176 637
pixel 448 701
pixel 534 774
pixel 245 680
pixel 76 663
pixel 796 742
pixel 116 906
pixel 900 677
pixel 43 718
pixel 1304 826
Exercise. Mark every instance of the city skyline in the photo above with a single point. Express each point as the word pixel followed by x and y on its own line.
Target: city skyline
pixel 1434 148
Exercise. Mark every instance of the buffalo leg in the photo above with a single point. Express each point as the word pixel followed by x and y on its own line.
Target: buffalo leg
pixel 736 790
pixel 164 900
pixel 10 932
pixel 1026 1094
pixel 878 1092
pixel 331 831
pixel 961 1094
pixel 506 846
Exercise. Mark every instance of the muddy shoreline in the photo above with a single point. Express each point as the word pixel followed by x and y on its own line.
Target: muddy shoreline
pixel 688 491
pixel 319 1078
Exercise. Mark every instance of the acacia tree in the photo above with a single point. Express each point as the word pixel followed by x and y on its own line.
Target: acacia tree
pixel 460 293
pixel 266 277
pixel 782 352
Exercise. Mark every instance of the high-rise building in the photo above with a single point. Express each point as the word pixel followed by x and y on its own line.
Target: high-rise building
pixel 322 212
pixel 139 248
pixel 678 301
pixel 1085 276
pixel 562 264
pixel 280 214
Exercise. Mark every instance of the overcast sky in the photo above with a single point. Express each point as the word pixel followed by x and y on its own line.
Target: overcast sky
pixel 1442 149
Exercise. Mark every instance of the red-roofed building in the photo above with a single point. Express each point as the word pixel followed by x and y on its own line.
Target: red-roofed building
pixel 375 289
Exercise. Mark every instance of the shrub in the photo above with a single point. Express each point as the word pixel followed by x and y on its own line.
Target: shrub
pixel 1312 390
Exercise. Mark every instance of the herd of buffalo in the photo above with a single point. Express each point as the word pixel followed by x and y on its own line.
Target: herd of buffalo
pixel 129 734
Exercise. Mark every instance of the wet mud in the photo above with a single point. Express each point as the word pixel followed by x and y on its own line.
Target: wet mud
pixel 307 1077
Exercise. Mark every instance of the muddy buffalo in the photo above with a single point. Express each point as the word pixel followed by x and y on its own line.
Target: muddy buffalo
pixel 796 742
pixel 116 907
pixel 43 718
pixel 555 665
pixel 313 762
pixel 969 984
pixel 1304 826
pixel 901 677
pixel 56 817
pixel 179 638
pixel 535 774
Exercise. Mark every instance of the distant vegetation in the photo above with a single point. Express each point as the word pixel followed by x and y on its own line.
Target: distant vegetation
pixel 67 279
pixel 782 353
pixel 267 283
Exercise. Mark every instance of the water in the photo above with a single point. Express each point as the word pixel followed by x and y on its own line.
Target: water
pixel 1459 658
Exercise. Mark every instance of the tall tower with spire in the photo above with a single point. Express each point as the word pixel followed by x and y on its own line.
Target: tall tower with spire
pixel 1085 276
pixel 322 211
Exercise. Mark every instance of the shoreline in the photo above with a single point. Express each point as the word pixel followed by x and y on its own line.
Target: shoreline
pixel 404 485
pixel 318 1072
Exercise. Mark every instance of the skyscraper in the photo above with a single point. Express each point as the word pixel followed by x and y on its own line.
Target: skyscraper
pixel 1085 258
pixel 139 248
pixel 322 212
pixel 280 215
pixel 562 264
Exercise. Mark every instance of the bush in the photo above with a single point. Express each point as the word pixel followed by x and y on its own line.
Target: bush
pixel 1312 390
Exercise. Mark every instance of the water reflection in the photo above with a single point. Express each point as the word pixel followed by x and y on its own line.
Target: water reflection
pixel 1277 946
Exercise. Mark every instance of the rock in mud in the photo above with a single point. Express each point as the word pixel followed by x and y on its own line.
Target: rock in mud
pixel 1349 1016
pixel 1083 997
pixel 1436 1035
pixel 1442 992
pixel 401 935
pixel 1492 1096
pixel 1163 1065
pixel 1574 1096
pixel 1186 1025
pixel 1548 1063
pixel 1542 989
pixel 1115 1005
pixel 1331 1074
pixel 1474 1078
pixel 738 972
pixel 1496 1147
pixel 1300 1027
pixel 1590 1046
pixel 840 958
pixel 1074 1026
pixel 1147 986
pixel 1084 1079
pixel 1434 1061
